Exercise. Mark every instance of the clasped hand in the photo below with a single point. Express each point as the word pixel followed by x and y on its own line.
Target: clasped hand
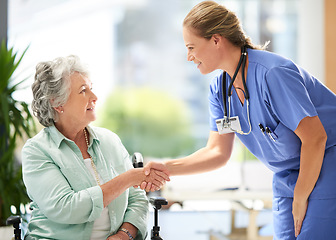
pixel 155 176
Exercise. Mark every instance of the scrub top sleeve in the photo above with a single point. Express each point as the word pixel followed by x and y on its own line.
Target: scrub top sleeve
pixel 215 106
pixel 287 96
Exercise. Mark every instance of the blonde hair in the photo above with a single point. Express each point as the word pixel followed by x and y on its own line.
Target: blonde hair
pixel 208 18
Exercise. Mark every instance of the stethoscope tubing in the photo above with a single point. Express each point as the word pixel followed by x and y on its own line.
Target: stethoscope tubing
pixel 241 63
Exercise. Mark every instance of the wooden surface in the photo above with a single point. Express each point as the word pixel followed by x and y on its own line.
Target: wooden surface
pixel 330 40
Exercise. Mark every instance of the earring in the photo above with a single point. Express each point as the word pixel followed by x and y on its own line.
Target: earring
pixel 62 111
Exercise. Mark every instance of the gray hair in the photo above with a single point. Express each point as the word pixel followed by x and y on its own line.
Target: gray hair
pixel 51 87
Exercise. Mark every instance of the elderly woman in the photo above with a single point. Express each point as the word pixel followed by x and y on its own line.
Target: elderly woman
pixel 78 177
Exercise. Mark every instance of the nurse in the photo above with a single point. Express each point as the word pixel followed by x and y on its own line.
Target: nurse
pixel 283 115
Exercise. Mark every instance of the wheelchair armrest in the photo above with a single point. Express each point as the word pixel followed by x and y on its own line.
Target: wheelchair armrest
pixel 157 202
pixel 13 220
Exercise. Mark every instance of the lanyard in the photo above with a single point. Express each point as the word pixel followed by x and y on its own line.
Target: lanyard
pixel 242 64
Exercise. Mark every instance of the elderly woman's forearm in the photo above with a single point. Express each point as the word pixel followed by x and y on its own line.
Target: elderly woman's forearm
pixel 115 187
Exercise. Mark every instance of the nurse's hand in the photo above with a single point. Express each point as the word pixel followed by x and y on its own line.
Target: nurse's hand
pixel 154 179
pixel 299 213
pixel 158 166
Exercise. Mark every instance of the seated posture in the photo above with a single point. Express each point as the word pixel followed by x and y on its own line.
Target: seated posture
pixel 78 177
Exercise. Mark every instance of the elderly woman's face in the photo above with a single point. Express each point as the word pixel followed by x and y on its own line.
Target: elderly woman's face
pixel 80 107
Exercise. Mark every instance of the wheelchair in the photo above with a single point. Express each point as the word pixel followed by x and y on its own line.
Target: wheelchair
pixel 157 203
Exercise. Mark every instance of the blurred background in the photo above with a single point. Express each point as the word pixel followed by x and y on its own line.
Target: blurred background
pixel 148 93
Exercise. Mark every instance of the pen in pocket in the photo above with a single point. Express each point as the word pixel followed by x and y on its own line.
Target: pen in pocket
pixel 271 134
pixel 262 129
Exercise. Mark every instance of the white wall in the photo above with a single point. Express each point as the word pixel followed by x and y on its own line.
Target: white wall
pixel 3 19
pixel 311 37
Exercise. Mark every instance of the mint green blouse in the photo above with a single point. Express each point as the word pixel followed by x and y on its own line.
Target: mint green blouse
pixel 65 197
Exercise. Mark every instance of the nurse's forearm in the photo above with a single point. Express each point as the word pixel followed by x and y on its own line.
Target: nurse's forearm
pixel 214 155
pixel 310 167
pixel 313 140
pixel 203 160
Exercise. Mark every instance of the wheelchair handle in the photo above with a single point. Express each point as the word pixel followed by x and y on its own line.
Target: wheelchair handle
pixel 15 221
pixel 137 160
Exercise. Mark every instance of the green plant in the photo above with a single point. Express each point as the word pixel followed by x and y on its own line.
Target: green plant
pixel 15 122
pixel 148 121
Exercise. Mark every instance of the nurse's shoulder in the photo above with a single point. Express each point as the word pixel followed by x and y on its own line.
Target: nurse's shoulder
pixel 268 60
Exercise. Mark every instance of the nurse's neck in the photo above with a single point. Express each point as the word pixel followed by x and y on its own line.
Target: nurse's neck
pixel 233 57
pixel 230 57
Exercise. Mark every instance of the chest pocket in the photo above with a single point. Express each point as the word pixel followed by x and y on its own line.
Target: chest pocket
pixel 287 145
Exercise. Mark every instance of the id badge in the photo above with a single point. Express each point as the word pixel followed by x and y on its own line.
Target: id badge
pixel 228 126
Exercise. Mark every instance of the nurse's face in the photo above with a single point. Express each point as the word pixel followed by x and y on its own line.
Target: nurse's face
pixel 201 51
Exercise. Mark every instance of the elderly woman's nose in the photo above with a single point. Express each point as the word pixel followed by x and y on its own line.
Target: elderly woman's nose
pixel 93 96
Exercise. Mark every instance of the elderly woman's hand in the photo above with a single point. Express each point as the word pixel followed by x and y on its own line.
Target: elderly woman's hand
pixel 118 236
pixel 153 178
pixel 114 237
pixel 156 176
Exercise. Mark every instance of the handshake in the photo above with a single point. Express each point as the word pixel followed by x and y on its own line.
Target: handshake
pixel 152 177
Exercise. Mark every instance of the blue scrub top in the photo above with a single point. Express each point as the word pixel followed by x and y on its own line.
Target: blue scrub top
pixel 281 95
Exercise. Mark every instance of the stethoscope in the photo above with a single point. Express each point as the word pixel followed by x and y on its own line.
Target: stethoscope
pixel 241 63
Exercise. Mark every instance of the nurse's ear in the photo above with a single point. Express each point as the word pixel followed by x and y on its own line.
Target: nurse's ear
pixel 216 39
